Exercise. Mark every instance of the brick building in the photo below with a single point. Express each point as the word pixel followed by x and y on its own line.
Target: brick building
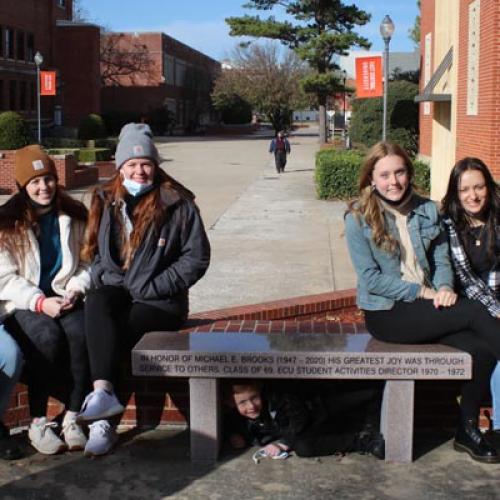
pixel 460 85
pixel 173 76
pixel 28 26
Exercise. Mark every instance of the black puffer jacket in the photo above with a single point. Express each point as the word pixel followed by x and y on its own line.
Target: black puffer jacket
pixel 166 263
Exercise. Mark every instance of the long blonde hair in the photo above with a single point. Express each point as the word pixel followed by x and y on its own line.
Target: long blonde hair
pixel 368 205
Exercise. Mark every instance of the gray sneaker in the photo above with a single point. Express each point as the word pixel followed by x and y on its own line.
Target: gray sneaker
pixel 44 439
pixel 100 404
pixel 102 438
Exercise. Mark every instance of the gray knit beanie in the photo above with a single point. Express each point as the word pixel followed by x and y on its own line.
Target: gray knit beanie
pixel 135 141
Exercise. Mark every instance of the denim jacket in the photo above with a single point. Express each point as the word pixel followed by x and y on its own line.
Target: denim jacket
pixel 379 272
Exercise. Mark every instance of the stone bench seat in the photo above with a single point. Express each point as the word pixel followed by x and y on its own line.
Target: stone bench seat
pixel 205 358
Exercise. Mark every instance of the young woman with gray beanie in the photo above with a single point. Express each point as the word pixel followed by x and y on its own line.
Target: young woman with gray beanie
pixel 147 245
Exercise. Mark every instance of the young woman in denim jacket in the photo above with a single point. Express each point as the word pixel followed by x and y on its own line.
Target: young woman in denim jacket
pixel 405 281
pixel 471 210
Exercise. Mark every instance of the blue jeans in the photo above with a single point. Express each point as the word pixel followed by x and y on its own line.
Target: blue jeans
pixel 495 396
pixel 11 364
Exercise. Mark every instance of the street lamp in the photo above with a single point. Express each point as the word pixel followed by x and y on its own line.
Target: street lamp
pixel 344 77
pixel 386 30
pixel 38 62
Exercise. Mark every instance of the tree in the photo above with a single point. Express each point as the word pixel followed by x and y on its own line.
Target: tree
pixel 414 33
pixel 323 30
pixel 402 111
pixel 124 59
pixel 266 80
pixel 80 14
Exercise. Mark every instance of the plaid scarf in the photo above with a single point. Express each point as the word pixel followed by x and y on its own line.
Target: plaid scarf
pixel 473 287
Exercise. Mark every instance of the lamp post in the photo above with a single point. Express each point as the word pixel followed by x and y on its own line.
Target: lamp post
pixel 38 62
pixel 344 77
pixel 386 30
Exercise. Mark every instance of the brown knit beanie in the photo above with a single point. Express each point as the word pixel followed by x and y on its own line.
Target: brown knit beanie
pixel 32 161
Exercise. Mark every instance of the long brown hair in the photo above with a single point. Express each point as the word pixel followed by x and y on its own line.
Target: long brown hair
pixel 149 212
pixel 18 215
pixel 452 206
pixel 368 204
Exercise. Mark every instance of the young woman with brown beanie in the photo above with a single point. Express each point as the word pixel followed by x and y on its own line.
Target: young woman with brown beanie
pixel 148 246
pixel 42 281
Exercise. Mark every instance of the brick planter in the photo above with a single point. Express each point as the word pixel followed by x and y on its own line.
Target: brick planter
pixel 70 174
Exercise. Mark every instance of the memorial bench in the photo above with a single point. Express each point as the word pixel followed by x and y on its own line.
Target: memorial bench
pixel 205 358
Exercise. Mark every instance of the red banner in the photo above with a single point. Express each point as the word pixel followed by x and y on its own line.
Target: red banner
pixel 369 76
pixel 47 83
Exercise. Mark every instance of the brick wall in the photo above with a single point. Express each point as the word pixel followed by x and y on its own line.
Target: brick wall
pixel 80 91
pixel 158 401
pixel 70 174
pixel 426 26
pixel 478 135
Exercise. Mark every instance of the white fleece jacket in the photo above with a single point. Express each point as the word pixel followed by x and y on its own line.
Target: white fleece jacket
pixel 19 279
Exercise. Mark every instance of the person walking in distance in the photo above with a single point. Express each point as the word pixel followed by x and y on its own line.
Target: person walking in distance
pixel 281 148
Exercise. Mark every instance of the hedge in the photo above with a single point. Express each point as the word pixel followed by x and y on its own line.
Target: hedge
pixel 14 132
pixel 337 174
pixel 84 155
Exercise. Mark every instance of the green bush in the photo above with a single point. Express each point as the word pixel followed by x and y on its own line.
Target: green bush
pixel 64 151
pixel 91 127
pixel 161 120
pixel 337 174
pixel 14 132
pixel 422 179
pixel 88 155
pixel 61 143
pixel 236 112
pixel 402 117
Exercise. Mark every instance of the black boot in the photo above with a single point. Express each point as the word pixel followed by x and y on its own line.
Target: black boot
pixel 8 447
pixel 469 439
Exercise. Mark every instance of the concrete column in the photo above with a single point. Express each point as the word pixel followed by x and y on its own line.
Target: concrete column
pixel 205 428
pixel 397 420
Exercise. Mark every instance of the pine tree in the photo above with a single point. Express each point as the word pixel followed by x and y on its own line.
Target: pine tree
pixel 323 29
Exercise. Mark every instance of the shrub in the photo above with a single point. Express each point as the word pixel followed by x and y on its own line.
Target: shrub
pixel 337 174
pixel 236 112
pixel 91 127
pixel 161 120
pixel 64 151
pixel 402 122
pixel 88 155
pixel 14 132
pixel 61 143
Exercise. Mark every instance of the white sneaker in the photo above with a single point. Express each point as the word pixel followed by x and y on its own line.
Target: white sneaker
pixel 102 438
pixel 100 404
pixel 44 439
pixel 74 436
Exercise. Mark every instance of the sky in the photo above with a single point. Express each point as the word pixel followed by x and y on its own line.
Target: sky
pixel 200 23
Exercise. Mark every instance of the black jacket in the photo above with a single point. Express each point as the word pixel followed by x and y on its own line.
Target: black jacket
pixel 166 263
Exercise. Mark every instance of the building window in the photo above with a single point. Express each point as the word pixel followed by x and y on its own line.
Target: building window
pixel 2 50
pixel 21 46
pixel 30 48
pixel 9 43
pixel 61 3
pixel 2 92
pixel 23 96
pixel 168 69
pixel 13 95
pixel 180 73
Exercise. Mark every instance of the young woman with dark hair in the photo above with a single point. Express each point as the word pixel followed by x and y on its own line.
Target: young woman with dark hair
pixel 42 281
pixel 148 245
pixel 471 209
pixel 405 281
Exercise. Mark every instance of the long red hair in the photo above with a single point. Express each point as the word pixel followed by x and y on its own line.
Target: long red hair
pixel 149 212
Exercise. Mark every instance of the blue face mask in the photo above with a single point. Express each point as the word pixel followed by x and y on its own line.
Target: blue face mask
pixel 135 188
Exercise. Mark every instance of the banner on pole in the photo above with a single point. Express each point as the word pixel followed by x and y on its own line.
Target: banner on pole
pixel 47 83
pixel 369 76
